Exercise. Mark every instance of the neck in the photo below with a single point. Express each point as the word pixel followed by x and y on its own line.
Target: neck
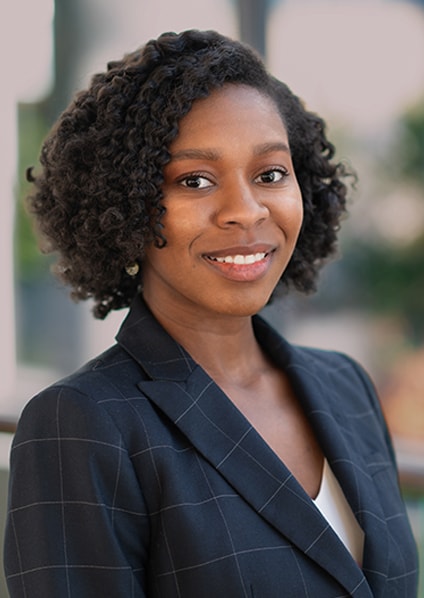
pixel 225 346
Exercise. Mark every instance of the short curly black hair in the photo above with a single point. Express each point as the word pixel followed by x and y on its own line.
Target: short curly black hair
pixel 97 198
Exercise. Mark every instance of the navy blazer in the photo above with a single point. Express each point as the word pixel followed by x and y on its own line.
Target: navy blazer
pixel 138 477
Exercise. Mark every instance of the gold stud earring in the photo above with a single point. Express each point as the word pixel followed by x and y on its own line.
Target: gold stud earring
pixel 132 270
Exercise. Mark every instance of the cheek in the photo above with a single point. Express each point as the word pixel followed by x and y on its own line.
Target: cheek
pixel 298 209
pixel 299 213
pixel 291 216
pixel 182 224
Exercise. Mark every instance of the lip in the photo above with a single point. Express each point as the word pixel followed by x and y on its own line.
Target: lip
pixel 237 272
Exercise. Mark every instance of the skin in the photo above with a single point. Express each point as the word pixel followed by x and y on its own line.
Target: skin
pixel 231 195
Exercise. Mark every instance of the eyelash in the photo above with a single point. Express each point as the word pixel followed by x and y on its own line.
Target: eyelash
pixel 284 173
pixel 200 175
pixel 193 175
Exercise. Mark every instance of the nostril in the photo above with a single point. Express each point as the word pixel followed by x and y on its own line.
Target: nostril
pixel 245 211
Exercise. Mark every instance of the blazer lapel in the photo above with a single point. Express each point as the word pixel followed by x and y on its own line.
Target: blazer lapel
pixel 324 404
pixel 218 430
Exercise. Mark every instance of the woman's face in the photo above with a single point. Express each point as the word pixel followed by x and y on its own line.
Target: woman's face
pixel 233 209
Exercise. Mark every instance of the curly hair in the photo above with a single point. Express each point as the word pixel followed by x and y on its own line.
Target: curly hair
pixel 97 198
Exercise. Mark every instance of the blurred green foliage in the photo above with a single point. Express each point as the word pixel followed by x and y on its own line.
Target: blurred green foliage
pixel 410 151
pixel 32 128
pixel 389 277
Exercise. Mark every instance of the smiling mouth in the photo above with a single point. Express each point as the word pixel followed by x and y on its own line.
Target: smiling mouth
pixel 242 260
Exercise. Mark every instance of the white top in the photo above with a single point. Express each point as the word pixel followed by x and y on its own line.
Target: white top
pixel 333 505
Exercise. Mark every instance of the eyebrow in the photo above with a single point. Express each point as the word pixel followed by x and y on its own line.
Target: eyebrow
pixel 196 154
pixel 267 148
pixel 214 155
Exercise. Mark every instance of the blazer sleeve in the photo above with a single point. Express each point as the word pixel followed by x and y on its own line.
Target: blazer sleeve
pixel 77 523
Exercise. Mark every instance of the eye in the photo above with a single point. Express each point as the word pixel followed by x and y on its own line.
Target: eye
pixel 195 181
pixel 274 175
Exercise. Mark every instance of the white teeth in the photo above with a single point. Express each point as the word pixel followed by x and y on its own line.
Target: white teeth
pixel 240 259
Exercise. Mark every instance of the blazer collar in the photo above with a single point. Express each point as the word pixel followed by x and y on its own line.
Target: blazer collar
pixel 219 431
pixel 160 356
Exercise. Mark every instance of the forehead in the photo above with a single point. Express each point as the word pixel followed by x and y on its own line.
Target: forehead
pixel 232 109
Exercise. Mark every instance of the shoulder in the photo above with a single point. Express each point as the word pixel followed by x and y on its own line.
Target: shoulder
pixel 333 363
pixel 104 374
pixel 341 377
pixel 334 382
pixel 325 365
pixel 84 401
pixel 338 368
pixel 113 372
pixel 349 391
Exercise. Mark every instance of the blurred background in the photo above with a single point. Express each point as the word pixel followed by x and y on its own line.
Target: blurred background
pixel 360 65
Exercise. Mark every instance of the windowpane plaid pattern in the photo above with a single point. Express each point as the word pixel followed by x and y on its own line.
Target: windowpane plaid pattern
pixel 137 476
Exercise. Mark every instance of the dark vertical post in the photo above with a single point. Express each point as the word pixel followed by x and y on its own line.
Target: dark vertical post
pixel 67 48
pixel 252 16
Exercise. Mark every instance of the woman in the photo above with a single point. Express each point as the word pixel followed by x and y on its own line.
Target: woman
pixel 202 455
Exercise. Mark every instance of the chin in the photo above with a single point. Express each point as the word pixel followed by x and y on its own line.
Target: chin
pixel 243 307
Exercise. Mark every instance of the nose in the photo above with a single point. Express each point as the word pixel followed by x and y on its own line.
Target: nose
pixel 241 205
